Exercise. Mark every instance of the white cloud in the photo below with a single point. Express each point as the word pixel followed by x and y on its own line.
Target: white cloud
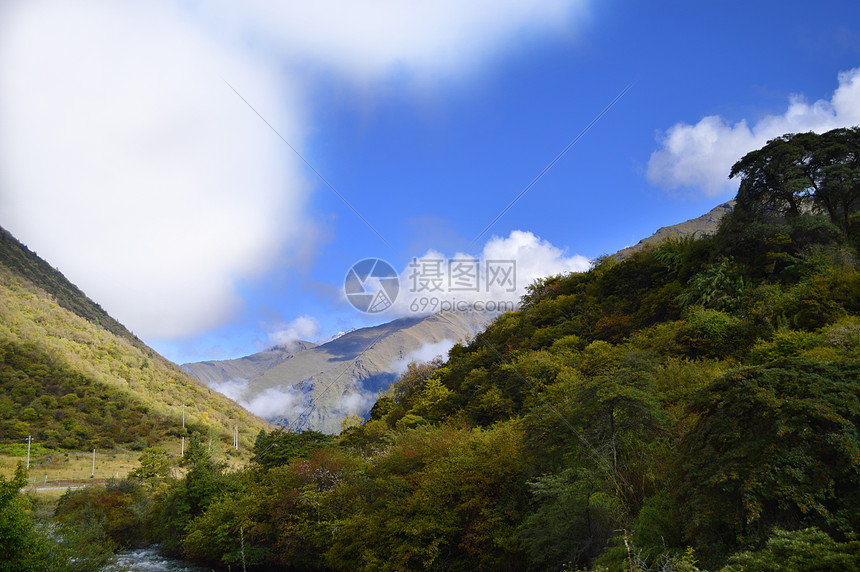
pixel 272 402
pixel 358 401
pixel 302 328
pixel 504 268
pixel 535 258
pixel 276 402
pixel 700 156
pixel 129 164
pixel 234 389
pixel 376 37
pixel 427 352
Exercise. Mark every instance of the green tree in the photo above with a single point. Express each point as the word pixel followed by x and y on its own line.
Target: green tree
pixel 154 466
pixel 774 446
pixel 20 545
pixel 802 172
pixel 281 446
pixel 807 550
pixel 187 498
pixel 412 381
pixel 576 512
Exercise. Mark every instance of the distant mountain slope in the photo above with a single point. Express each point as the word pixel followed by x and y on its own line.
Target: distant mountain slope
pixel 73 377
pixel 706 224
pixel 319 387
pixel 221 371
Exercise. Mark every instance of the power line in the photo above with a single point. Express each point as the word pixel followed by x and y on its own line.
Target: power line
pixel 553 162
pixel 312 168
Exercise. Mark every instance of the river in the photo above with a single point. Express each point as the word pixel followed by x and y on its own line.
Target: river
pixel 149 560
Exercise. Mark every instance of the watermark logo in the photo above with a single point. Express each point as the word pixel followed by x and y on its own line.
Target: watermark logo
pixel 433 285
pixel 371 285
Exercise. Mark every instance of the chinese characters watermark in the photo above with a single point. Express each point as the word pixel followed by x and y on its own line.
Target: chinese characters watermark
pixel 434 284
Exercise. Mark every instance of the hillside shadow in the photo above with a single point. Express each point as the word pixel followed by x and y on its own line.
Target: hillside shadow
pixel 349 346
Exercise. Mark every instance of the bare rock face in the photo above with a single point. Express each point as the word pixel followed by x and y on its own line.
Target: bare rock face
pixel 221 371
pixel 704 225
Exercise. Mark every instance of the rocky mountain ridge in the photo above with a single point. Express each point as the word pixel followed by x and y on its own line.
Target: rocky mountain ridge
pixel 704 225
pixel 317 387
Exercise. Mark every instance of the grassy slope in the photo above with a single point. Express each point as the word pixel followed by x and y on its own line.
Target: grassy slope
pixel 73 376
pixel 28 266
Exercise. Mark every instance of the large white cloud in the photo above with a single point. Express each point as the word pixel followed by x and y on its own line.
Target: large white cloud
pixel 126 161
pixel 699 157
pixel 373 37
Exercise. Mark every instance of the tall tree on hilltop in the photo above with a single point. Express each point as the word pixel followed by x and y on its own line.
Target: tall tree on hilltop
pixel 797 173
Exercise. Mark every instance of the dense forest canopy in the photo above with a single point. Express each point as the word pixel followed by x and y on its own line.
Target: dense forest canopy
pixel 694 407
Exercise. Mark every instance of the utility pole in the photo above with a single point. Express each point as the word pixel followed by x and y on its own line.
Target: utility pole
pixel 29 439
pixel 242 533
pixel 182 448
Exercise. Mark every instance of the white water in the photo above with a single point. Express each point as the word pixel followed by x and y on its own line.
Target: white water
pixel 149 560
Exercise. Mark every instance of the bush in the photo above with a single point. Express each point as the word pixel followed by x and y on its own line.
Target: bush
pixel 784 344
pixel 711 333
pixel 807 550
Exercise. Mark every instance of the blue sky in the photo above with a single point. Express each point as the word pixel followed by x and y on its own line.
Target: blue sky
pixel 127 162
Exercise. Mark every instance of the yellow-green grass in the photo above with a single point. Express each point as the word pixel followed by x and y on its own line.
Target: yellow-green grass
pixel 50 469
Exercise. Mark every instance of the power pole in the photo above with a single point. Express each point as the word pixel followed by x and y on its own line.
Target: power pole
pixel 182 449
pixel 29 439
pixel 242 533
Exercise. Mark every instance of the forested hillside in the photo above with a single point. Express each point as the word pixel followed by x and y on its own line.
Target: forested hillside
pixel 693 407
pixel 29 266
pixel 73 378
